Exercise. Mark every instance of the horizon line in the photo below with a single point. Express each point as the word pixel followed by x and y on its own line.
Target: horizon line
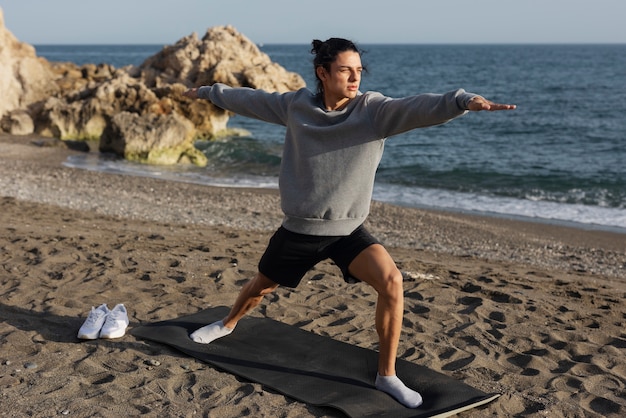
pixel 360 43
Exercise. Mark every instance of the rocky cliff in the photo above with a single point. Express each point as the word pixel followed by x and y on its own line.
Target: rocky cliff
pixel 24 80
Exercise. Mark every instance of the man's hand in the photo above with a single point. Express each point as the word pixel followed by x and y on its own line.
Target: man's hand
pixel 191 93
pixel 479 103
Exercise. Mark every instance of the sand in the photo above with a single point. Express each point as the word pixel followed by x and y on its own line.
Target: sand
pixel 533 311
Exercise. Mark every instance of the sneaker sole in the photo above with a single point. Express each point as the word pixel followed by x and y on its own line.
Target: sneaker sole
pixel 88 337
pixel 110 335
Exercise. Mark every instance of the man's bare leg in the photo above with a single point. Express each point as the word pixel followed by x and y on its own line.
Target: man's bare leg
pixel 375 266
pixel 249 297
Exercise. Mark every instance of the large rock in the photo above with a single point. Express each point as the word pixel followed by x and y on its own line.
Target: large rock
pixel 17 122
pixel 24 78
pixel 152 139
pixel 223 55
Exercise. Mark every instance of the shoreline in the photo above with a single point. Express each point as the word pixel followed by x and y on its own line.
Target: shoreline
pixel 534 220
pixel 477 213
pixel 531 311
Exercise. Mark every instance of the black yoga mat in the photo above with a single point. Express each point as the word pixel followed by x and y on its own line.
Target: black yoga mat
pixel 313 369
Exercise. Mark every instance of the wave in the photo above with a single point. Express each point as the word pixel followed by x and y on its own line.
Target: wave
pixel 577 215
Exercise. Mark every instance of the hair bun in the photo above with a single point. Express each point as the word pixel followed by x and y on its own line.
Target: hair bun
pixel 316 44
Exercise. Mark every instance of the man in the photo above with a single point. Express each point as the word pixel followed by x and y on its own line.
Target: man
pixel 333 145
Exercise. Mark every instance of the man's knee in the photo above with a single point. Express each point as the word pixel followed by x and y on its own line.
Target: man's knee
pixel 393 283
pixel 389 286
pixel 375 266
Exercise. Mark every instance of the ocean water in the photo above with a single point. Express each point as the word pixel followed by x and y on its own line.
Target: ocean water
pixel 560 157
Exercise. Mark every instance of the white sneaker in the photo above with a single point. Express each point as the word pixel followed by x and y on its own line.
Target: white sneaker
pixel 115 323
pixel 92 325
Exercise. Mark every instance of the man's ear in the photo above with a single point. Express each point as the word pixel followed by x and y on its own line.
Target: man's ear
pixel 321 72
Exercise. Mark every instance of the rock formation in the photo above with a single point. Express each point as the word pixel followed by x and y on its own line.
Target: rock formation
pixel 136 112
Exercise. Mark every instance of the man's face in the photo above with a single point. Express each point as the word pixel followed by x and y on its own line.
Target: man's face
pixel 344 77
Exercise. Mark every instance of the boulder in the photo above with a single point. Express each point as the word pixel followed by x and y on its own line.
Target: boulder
pixel 17 122
pixel 223 55
pixel 152 139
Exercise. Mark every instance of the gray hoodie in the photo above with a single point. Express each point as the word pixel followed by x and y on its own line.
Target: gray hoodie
pixel 330 158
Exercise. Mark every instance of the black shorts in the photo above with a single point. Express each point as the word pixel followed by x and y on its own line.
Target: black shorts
pixel 289 256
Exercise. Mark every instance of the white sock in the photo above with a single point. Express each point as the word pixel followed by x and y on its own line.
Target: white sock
pixel 210 333
pixel 394 387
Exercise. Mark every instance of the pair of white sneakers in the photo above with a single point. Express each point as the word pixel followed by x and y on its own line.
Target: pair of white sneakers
pixel 103 322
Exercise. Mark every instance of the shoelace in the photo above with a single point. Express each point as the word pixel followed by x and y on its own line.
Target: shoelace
pixel 95 316
pixel 116 315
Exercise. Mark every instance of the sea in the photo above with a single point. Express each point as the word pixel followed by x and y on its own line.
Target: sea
pixel 560 157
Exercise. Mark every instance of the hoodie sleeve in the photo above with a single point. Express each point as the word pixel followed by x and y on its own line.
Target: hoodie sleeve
pixel 394 116
pixel 252 103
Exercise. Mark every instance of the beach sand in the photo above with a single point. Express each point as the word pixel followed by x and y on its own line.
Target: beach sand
pixel 533 311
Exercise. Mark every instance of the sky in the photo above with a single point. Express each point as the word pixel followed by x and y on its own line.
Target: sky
pixel 42 22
